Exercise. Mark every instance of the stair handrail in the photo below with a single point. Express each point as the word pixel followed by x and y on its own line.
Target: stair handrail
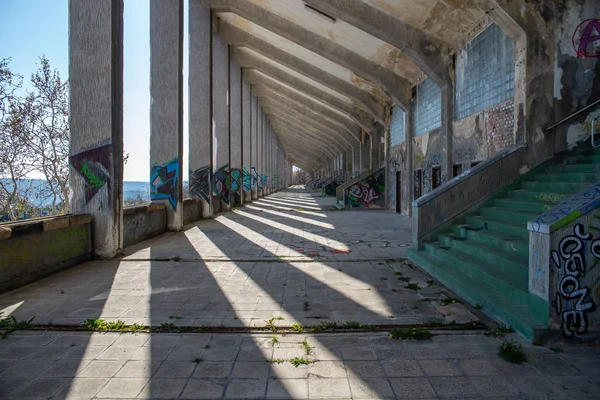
pixel 589 106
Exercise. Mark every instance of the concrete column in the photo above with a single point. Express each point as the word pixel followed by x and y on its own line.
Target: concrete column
pixel 356 165
pixel 254 147
pixel 220 117
pixel 166 108
pixel 235 120
pixel 447 118
pixel 246 141
pixel 96 119
pixel 200 104
pixel 410 189
pixel 260 153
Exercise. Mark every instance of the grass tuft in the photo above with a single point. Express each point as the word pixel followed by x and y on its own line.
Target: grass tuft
pixel 501 331
pixel 512 352
pixel 297 328
pixel 449 300
pixel 10 324
pixel 297 361
pixel 412 286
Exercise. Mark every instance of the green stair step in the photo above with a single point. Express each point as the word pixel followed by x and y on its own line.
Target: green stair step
pixel 545 197
pixel 494 303
pixel 558 187
pixel 500 241
pixel 575 168
pixel 590 151
pixel 502 214
pixel 502 226
pixel 512 263
pixel 582 159
pixel 568 177
pixel 512 286
pixel 525 206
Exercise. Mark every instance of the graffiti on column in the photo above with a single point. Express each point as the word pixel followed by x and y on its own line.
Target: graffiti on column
pixel 264 180
pixel 163 181
pixel 367 193
pixel 247 179
pixel 94 167
pixel 573 301
pixel 221 183
pixel 200 183
pixel 275 180
pixel 586 38
pixel 235 184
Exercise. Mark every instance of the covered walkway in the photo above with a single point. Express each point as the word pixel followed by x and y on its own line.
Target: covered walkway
pixel 288 258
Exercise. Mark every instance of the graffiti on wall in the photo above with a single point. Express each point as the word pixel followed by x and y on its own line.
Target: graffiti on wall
pixel 586 38
pixel 255 179
pixel 264 180
pixel 247 179
pixel 94 167
pixel 573 301
pixel 572 208
pixel 163 181
pixel 368 193
pixel 221 183
pixel 200 183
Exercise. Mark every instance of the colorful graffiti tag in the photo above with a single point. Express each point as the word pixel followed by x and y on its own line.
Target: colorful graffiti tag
pixel 163 181
pixel 221 183
pixel 247 179
pixel 200 183
pixel 368 193
pixel 573 300
pixel 586 38
pixel 94 167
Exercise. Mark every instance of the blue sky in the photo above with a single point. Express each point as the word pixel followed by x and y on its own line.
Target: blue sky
pixel 30 28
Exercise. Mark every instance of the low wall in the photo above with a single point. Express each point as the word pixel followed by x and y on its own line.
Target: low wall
pixel 466 190
pixel 143 222
pixel 192 210
pixel 364 191
pixel 32 249
pixel 564 252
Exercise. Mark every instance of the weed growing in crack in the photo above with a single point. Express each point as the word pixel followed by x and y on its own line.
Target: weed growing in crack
pixel 306 346
pixel 306 306
pixel 512 352
pixel 137 327
pixel 412 286
pixel 274 340
pixel 410 334
pixel 318 317
pixel 404 278
pixel 175 317
pixel 430 282
pixel 278 360
pixel 198 360
pixel 270 323
pixel 298 361
pixel 449 300
pixel 207 346
pixel 352 325
pixel 297 328
pixel 10 324
pixel 500 331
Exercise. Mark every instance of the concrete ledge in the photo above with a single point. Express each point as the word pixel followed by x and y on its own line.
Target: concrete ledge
pixel 466 190
pixel 567 211
pixel 143 222
pixel 32 249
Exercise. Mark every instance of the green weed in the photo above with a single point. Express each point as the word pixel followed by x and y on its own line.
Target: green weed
pixel 410 334
pixel 352 325
pixel 307 348
pixel 412 286
pixel 512 352
pixel 297 361
pixel 449 300
pixel 500 331
pixel 10 324
pixel 297 328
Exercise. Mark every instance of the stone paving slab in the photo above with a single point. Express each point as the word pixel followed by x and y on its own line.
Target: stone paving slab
pixel 219 366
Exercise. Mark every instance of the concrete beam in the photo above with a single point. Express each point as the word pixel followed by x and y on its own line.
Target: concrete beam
pixel 310 99
pixel 325 114
pixel 316 144
pixel 397 88
pixel 271 98
pixel 365 100
pixel 418 47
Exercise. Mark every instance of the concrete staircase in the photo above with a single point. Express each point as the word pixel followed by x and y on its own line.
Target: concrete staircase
pixel 483 255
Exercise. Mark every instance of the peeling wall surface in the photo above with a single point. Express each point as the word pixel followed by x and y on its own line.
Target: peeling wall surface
pixel 427 153
pixel 575 278
pixel 42 247
pixel 576 68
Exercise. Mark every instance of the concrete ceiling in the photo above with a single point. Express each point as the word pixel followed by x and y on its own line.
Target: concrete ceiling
pixel 325 70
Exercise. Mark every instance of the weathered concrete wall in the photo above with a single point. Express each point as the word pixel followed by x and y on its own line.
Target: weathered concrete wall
pixel 576 76
pixel 427 153
pixel 192 210
pixel 399 162
pixel 32 249
pixel 144 222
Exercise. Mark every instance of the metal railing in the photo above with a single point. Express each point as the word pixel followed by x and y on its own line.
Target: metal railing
pixel 597 102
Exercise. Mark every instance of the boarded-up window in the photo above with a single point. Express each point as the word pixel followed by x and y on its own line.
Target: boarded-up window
pixel 485 72
pixel 397 133
pixel 456 170
pixel 418 183
pixel 436 177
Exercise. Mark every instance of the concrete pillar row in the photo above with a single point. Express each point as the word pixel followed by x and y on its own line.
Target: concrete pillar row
pixel 166 108
pixel 96 121
pixel 246 142
pixel 200 104
pixel 254 146
pixel 235 137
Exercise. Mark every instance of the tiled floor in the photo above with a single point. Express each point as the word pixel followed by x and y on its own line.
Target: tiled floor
pixel 290 255
pixel 71 365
